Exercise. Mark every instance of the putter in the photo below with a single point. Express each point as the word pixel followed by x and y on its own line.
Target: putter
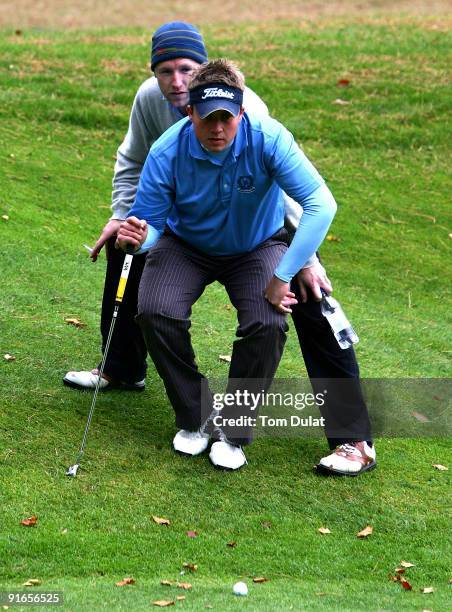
pixel 72 469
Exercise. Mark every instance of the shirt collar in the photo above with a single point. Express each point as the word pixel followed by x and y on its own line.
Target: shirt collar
pixel 174 109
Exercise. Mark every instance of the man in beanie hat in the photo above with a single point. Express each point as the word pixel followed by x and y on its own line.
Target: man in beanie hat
pixel 177 49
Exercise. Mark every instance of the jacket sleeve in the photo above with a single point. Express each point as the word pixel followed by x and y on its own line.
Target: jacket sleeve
pixel 132 153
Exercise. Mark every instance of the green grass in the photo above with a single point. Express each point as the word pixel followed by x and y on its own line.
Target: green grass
pixel 64 104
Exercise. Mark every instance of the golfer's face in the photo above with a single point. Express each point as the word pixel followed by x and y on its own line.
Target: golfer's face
pixel 173 77
pixel 217 130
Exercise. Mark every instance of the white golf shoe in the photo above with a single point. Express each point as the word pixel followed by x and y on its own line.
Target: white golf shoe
pixel 227 456
pixel 349 460
pixel 190 442
pixel 84 380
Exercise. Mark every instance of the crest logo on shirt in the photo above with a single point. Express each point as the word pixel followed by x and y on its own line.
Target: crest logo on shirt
pixel 245 184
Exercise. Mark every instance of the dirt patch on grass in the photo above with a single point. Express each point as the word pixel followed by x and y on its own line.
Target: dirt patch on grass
pixel 67 14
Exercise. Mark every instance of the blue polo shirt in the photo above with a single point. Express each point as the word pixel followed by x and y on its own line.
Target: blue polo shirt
pixel 229 205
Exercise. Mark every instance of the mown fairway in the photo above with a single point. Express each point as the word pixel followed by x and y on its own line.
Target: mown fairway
pixel 384 149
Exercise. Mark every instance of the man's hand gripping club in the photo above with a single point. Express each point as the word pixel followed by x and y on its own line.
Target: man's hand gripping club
pixel 132 233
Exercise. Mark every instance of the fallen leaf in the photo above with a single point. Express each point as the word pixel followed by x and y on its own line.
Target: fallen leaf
pixel 75 322
pixel 406 585
pixel 192 534
pixel 228 306
pixel 191 566
pixel 267 525
pixel 441 468
pixel 343 82
pixel 332 238
pixel 406 564
pixel 162 603
pixel 161 521
pixel 340 102
pixel 420 417
pixel 426 590
pixel 320 594
pixel 9 357
pixel 29 522
pixel 126 581
pixel 180 585
pixel 260 580
pixel 32 582
pixel 180 598
pixel 18 32
pixel 323 530
pixel 400 570
pixel 231 544
pixel 5 217
pixel 184 585
pixel 450 235
pixel 367 531
pixel 226 358
pixel 394 578
pixel 64 532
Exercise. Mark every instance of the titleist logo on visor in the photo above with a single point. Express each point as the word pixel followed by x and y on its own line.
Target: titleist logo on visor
pixel 213 91
pixel 217 92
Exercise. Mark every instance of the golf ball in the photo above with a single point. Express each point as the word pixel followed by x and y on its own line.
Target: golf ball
pixel 240 588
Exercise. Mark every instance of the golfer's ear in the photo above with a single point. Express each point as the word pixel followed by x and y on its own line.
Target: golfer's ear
pixel 242 110
pixel 190 111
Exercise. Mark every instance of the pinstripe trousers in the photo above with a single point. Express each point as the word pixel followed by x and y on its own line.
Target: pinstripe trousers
pixel 174 277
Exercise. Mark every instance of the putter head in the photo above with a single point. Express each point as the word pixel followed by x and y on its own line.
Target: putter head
pixel 72 470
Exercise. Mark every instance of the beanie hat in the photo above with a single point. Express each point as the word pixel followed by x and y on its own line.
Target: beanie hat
pixel 177 39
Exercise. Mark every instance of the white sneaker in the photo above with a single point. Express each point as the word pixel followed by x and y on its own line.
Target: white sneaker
pixel 88 380
pixel 227 456
pixel 349 459
pixel 190 442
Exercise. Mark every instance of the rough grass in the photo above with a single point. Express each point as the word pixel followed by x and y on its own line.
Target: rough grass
pixel 88 14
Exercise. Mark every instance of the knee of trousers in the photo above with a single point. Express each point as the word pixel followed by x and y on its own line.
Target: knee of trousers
pixel 273 327
pixel 153 319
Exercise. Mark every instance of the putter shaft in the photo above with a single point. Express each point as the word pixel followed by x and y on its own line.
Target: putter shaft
pixel 72 470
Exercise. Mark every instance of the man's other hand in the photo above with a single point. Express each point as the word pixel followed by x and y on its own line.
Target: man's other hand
pixel 132 232
pixel 313 278
pixel 110 229
pixel 279 295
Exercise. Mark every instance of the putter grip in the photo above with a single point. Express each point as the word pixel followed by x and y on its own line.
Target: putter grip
pixel 124 276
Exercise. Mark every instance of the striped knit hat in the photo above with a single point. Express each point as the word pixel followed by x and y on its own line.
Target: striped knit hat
pixel 177 39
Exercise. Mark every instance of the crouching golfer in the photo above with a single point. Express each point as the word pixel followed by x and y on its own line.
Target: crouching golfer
pixel 210 204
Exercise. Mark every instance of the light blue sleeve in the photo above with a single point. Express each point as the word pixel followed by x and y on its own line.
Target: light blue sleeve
pixel 298 177
pixel 319 209
pixel 151 239
pixel 154 199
